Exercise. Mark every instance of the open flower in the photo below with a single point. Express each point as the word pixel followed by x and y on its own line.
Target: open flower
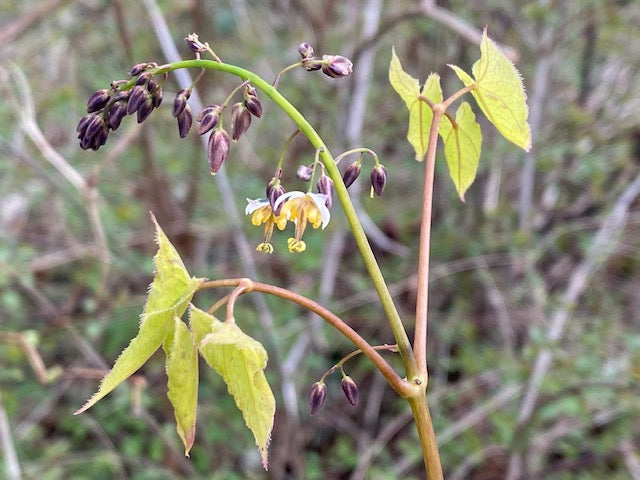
pixel 261 211
pixel 302 208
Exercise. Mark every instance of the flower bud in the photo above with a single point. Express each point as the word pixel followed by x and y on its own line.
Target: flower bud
pixel 304 172
pixel 185 119
pixel 181 101
pixel 317 395
pixel 156 97
pixel 351 173
pixel 305 50
pixel 350 390
pixel 252 102
pixel 378 179
pixel 336 66
pixel 218 150
pixel 94 126
pixel 194 44
pixel 325 185
pixel 240 120
pixel 143 78
pixel 98 100
pixel 117 112
pixel 83 123
pixel 209 118
pixel 138 68
pixel 145 109
pixel 137 97
pixel 311 64
pixel 274 191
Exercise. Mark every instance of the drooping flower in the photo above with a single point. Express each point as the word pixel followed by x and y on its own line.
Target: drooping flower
pixel 302 208
pixel 261 211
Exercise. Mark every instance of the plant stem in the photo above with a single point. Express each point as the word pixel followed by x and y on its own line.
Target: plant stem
pixel 422 301
pixel 399 333
pixel 427 436
pixel 402 387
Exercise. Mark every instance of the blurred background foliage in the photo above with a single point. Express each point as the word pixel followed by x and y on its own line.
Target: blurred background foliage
pixel 543 260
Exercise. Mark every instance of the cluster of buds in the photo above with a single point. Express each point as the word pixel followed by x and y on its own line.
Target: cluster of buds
pixel 378 177
pixel 318 393
pixel 335 66
pixel 107 107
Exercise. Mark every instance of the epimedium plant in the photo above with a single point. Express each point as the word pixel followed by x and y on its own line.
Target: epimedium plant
pixel 239 359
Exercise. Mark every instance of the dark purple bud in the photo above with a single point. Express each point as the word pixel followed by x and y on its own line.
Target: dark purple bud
pixel 143 78
pixel 138 68
pixel 119 96
pixel 218 150
pixel 317 395
pixel 350 390
pixel 94 126
pixel 98 100
pixel 351 173
pixel 145 110
pixel 325 185
pixel 209 120
pixel 181 101
pixel 152 84
pixel 156 97
pixel 240 120
pixel 336 66
pixel 137 97
pixel 83 123
pixel 274 191
pixel 117 112
pixel 304 172
pixel 185 119
pixel 100 138
pixel 252 102
pixel 311 64
pixel 194 44
pixel 306 50
pixel 378 179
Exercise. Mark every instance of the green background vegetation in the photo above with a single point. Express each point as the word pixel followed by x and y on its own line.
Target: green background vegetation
pixel 503 263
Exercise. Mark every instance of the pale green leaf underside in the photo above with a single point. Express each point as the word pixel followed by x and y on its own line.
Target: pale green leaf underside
pixel 182 373
pixel 500 93
pixel 150 336
pixel 462 145
pixel 420 114
pixel 241 360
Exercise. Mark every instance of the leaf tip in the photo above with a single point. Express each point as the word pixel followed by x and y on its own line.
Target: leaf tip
pixel 265 459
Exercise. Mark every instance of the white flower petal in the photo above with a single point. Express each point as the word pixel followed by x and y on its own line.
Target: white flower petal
pixel 286 196
pixel 253 205
pixel 319 199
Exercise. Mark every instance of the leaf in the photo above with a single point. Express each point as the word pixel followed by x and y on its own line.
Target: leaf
pixel 499 91
pixel 182 371
pixel 420 114
pixel 241 361
pixel 150 336
pixel 462 144
pixel 171 291
pixel 172 286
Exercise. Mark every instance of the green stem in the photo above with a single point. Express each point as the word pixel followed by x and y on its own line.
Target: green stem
pixel 397 328
pixel 427 437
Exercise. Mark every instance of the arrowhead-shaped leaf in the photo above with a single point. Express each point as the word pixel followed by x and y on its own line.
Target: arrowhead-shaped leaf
pixel 462 143
pixel 150 336
pixel 420 114
pixel 182 371
pixel 241 361
pixel 170 292
pixel 499 92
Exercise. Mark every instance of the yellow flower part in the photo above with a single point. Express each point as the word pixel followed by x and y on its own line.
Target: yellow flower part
pixel 302 208
pixel 262 213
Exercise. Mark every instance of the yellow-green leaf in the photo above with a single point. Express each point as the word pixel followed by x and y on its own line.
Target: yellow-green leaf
pixel 171 291
pixel 200 323
pixel 172 285
pixel 150 336
pixel 462 144
pixel 182 373
pixel 420 114
pixel 241 361
pixel 499 91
